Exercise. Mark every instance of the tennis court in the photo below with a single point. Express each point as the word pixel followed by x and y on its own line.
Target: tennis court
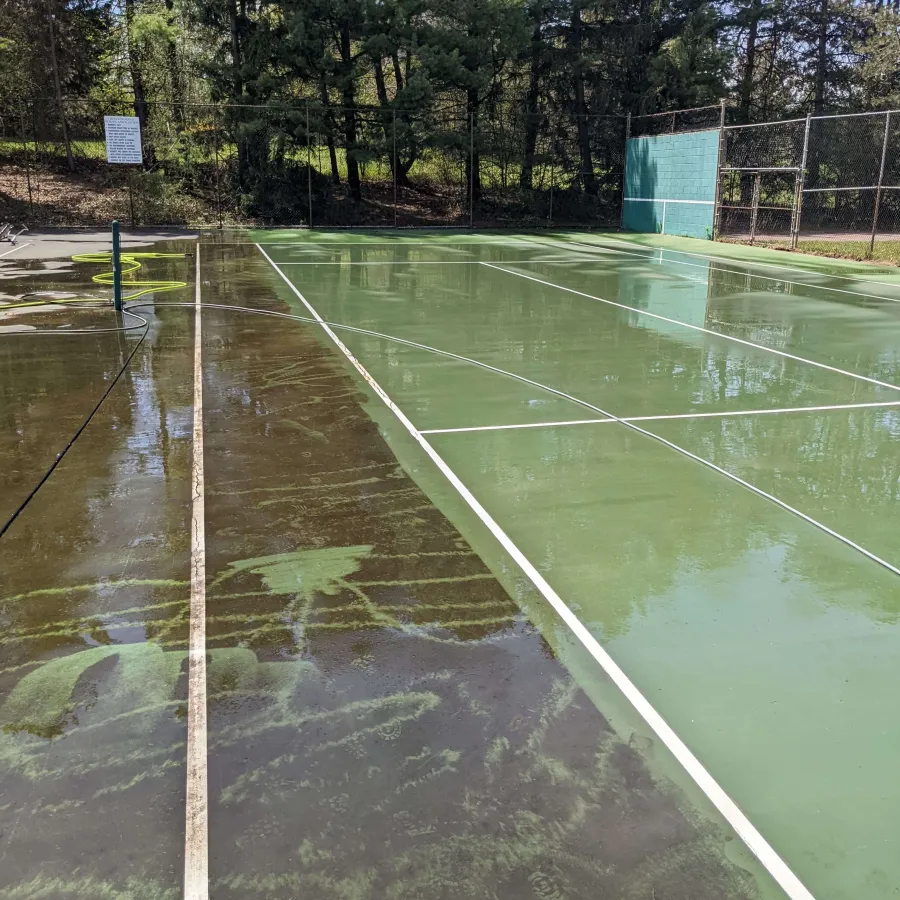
pixel 453 565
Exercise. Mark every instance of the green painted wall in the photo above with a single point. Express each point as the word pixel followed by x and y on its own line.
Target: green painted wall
pixel 670 183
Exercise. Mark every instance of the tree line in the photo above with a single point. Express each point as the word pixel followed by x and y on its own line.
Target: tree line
pixel 390 70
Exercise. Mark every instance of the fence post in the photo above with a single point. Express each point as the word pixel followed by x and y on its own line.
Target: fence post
pixel 394 166
pixel 624 170
pixel 720 163
pixel 218 173
pixel 472 169
pixel 27 168
pixel 308 168
pixel 754 206
pixel 884 147
pixel 801 180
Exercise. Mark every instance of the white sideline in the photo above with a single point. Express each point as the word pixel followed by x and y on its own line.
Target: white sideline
pixel 196 834
pixel 718 334
pixel 638 251
pixel 700 415
pixel 773 863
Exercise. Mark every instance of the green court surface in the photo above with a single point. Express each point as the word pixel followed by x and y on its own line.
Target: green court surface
pixel 536 565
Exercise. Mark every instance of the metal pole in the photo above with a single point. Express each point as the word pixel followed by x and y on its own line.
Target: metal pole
pixel 218 176
pixel 117 267
pixel 308 167
pixel 27 168
pixel 394 167
pixel 672 130
pixel 131 198
pixel 720 162
pixel 884 146
pixel 722 113
pixel 472 169
pixel 754 207
pixel 552 180
pixel 798 206
pixel 624 171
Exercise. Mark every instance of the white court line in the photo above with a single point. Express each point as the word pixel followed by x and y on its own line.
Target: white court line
pixel 702 415
pixel 637 254
pixel 636 249
pixel 17 247
pixel 196 835
pixel 758 845
pixel 718 334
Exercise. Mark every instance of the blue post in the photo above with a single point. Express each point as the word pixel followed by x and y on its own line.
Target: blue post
pixel 117 268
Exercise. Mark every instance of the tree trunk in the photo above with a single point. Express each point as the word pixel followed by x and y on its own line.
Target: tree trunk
pixel 584 135
pixel 330 129
pixel 54 64
pixel 174 70
pixel 746 95
pixel 141 109
pixel 532 114
pixel 821 61
pixel 349 98
pixel 474 180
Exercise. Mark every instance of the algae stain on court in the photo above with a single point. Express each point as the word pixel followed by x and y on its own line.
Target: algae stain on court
pixel 302 572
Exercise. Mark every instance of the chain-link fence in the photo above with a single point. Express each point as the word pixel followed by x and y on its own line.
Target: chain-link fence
pixel 822 183
pixel 699 118
pixel 313 164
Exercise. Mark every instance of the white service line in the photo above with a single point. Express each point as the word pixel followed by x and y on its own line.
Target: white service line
pixel 698 415
pixel 637 251
pixel 718 334
pixel 17 247
pixel 773 863
pixel 196 835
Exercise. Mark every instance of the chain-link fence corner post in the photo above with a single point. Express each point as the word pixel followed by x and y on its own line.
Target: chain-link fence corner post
pixel 309 191
pixel 722 113
pixel 27 164
pixel 720 163
pixel 801 181
pixel 394 163
pixel 471 168
pixel 884 149
pixel 624 170
pixel 217 153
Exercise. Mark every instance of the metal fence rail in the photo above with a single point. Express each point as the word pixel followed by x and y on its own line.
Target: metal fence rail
pixel 815 181
pixel 313 164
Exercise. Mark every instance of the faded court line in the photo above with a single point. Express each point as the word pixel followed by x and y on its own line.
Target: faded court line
pixel 699 415
pixel 196 834
pixel 757 844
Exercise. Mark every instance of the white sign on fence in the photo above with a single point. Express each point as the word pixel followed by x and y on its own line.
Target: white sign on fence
pixel 123 139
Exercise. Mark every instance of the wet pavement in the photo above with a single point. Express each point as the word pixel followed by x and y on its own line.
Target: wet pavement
pixel 392 712
pixel 384 719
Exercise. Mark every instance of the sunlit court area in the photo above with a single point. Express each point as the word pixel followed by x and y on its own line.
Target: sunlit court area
pixel 449 450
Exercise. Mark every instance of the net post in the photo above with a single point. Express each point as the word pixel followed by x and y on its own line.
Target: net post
pixel 801 180
pixel 117 267
pixel 884 147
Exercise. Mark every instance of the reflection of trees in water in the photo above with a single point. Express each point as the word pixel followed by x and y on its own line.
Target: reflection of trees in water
pixel 93 557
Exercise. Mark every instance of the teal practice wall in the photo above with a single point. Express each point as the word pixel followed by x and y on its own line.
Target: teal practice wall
pixel 672 168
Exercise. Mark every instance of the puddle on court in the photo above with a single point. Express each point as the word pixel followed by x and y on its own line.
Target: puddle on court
pixel 93 577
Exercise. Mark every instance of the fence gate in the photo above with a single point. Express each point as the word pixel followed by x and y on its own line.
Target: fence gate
pixel 759 203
